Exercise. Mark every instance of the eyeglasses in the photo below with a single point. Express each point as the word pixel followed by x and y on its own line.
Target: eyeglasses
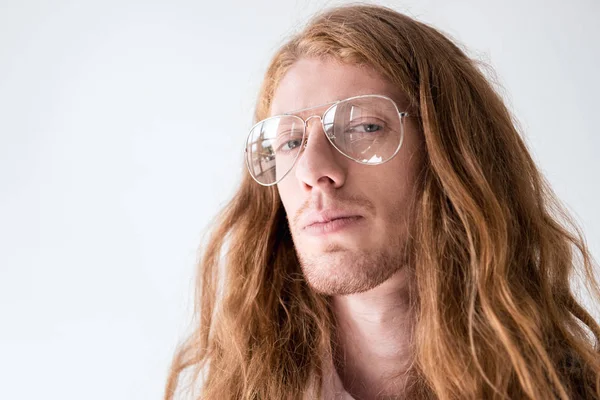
pixel 368 129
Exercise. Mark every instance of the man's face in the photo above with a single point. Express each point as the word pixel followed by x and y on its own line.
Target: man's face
pixel 362 250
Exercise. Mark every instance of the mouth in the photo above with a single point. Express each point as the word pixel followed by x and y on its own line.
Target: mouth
pixel 333 225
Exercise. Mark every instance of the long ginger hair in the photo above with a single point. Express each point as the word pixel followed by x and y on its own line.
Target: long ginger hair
pixel 493 251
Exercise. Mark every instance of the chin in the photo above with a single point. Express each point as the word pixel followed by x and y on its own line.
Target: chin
pixel 339 272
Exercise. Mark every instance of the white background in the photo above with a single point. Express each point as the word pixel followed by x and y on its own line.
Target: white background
pixel 121 131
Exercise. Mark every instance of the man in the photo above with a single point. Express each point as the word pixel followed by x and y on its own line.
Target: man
pixel 393 238
pixel 349 220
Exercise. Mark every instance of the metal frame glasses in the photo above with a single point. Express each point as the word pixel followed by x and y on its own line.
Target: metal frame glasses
pixel 328 129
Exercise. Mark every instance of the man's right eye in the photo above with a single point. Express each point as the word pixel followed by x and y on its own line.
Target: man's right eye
pixel 289 145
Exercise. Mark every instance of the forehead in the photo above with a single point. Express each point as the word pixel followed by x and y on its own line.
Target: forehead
pixel 312 82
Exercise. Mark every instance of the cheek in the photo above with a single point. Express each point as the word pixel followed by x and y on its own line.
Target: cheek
pixel 393 188
pixel 288 193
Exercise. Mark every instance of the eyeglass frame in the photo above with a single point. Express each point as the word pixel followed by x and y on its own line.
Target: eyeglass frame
pixel 304 141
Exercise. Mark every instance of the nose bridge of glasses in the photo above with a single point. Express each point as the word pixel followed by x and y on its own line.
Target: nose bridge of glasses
pixel 306 128
pixel 311 117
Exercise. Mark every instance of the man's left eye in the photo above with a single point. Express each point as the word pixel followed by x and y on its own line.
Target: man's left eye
pixel 366 128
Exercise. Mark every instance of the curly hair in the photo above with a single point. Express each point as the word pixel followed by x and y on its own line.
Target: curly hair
pixel 493 251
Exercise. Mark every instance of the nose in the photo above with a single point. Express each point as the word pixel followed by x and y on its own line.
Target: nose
pixel 319 164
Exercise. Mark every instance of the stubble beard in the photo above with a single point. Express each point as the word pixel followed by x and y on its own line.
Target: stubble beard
pixel 342 271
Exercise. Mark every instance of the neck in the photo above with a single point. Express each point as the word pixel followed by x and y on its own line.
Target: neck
pixel 373 349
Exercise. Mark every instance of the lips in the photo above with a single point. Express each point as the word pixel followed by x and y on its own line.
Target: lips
pixel 324 218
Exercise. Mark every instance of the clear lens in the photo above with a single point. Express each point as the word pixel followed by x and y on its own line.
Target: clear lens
pixel 273 146
pixel 367 129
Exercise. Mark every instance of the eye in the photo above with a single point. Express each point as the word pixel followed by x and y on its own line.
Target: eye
pixel 365 128
pixel 372 127
pixel 289 145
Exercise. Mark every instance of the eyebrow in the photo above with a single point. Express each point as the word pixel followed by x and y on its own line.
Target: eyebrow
pixel 298 111
pixel 312 107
